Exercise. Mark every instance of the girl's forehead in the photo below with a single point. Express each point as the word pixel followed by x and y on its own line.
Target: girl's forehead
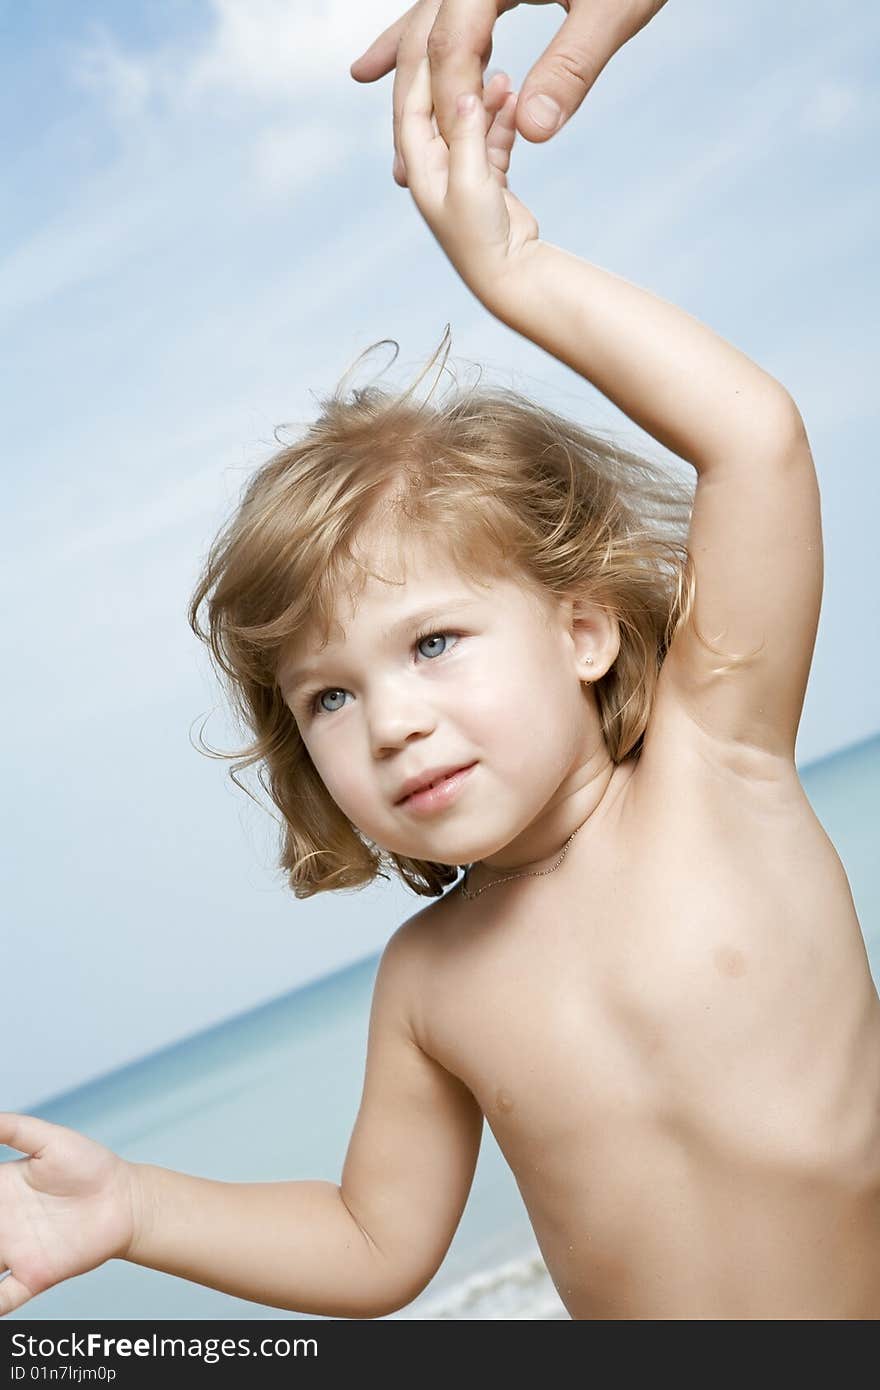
pixel 389 594
pixel 387 548
pixel 388 565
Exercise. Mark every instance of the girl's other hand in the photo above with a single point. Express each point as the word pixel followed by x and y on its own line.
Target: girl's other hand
pixel 461 188
pixel 65 1209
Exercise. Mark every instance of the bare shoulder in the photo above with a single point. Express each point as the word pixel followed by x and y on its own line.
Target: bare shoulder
pixel 420 935
pixel 412 956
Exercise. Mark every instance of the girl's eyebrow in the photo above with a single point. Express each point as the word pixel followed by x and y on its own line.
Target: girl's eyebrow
pixel 295 679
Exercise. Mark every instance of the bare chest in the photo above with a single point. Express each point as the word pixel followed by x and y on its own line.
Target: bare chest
pixel 696 968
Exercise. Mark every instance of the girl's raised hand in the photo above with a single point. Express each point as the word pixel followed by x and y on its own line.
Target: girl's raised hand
pixel 461 188
pixel 66 1208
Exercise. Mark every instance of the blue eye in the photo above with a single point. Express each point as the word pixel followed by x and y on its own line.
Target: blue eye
pixel 329 692
pixel 314 700
pixel 432 637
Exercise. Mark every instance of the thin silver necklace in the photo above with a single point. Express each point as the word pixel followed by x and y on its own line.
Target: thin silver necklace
pixel 531 873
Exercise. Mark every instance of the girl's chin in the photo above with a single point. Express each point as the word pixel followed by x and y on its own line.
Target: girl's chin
pixel 452 856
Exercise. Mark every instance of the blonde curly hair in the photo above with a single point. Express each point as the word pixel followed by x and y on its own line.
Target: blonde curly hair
pixel 512 488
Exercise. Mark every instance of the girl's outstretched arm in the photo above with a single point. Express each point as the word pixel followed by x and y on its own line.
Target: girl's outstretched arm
pixel 755 536
pixel 364 1247
pixel 361 1248
pixel 71 1204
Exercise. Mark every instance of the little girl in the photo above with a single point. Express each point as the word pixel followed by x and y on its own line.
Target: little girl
pixel 476 636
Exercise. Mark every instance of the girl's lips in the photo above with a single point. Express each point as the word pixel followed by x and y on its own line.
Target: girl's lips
pixel 441 795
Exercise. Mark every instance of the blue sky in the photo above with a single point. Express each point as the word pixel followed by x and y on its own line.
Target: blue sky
pixel 200 234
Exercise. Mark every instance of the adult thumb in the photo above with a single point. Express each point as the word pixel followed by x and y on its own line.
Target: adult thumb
pixel 555 86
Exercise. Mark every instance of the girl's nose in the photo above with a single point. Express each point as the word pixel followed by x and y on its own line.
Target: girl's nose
pixel 395 718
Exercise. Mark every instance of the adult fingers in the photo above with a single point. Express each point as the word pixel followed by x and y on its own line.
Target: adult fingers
pixel 381 56
pixel 557 83
pixel 459 47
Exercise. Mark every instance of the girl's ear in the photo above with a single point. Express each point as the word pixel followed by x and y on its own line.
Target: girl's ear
pixel 595 637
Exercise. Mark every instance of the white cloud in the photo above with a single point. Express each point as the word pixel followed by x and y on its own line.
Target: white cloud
pixel 259 48
pixel 275 49
pixel 270 51
pixel 270 55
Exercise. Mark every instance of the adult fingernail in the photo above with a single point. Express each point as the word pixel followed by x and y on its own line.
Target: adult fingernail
pixel 544 111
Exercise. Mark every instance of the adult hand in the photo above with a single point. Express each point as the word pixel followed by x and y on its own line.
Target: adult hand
pixel 457 36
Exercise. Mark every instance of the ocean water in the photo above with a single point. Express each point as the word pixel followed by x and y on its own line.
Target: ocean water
pixel 272 1095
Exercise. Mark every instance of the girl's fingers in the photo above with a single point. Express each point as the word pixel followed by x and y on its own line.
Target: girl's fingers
pixel 26 1133
pixel 418 104
pixel 482 138
pixel 416 128
pixel 502 134
pixel 13 1294
pixel 468 159
pixel 494 96
pixel 495 90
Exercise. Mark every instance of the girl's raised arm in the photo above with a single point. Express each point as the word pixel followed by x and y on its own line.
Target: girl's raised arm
pixel 755 539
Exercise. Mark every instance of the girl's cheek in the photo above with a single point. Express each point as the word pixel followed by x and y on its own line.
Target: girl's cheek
pixel 493 690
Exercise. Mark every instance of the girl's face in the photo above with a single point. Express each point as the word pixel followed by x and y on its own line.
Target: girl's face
pixel 439 673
